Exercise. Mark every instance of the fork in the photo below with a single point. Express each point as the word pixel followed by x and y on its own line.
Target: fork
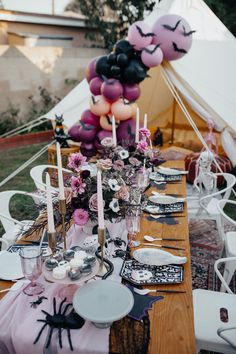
pixel 147 291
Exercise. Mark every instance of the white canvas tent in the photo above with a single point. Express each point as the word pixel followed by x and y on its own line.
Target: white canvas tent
pixel 205 78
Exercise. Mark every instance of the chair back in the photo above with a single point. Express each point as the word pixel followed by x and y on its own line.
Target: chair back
pixel 37 172
pixel 221 204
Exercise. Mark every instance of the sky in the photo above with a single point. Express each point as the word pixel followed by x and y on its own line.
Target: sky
pixel 38 6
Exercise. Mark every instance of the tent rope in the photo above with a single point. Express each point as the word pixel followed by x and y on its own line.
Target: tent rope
pixel 26 163
pixel 177 97
pixel 24 127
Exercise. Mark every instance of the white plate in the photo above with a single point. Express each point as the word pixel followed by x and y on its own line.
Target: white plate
pixel 153 256
pixel 165 199
pixel 10 266
pixel 103 301
pixel 170 171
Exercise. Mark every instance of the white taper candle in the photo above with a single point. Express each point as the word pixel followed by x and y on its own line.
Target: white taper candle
pixel 137 126
pixel 51 226
pixel 114 131
pixel 145 121
pixel 101 224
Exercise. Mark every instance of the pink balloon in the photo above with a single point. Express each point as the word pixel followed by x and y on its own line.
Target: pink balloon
pixel 126 131
pixel 121 110
pixel 90 72
pixel 90 118
pixel 106 122
pixel 133 107
pixel 137 35
pixel 101 135
pixel 151 56
pixel 131 91
pixel 99 106
pixel 174 43
pixel 95 85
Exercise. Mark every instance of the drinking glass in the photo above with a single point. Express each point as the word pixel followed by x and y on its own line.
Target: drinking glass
pixel 142 179
pixel 132 220
pixel 31 263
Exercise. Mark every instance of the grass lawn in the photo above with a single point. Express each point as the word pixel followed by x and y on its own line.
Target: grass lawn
pixel 21 207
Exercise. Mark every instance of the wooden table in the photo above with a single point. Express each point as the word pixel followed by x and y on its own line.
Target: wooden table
pixel 172 329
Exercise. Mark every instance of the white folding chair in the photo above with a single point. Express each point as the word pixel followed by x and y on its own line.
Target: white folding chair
pixel 205 207
pixel 230 241
pixel 215 317
pixel 13 228
pixel 37 174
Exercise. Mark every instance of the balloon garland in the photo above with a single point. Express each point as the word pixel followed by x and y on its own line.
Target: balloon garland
pixel 114 79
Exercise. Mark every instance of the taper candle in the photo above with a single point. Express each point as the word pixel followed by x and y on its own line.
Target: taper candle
pixel 51 226
pixel 145 121
pixel 60 175
pixel 101 224
pixel 137 126
pixel 114 131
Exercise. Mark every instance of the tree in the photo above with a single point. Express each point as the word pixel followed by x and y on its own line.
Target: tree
pixel 226 11
pixel 111 17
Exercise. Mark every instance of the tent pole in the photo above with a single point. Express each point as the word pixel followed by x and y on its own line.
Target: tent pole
pixel 173 123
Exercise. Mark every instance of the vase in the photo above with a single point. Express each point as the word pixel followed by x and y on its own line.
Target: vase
pixel 88 227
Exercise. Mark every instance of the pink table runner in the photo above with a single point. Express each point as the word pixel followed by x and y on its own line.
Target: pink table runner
pixel 18 321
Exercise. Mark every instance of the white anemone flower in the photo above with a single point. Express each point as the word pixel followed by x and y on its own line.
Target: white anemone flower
pixel 113 184
pixel 114 205
pixel 124 154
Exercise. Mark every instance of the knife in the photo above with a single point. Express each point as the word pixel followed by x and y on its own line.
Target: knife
pixel 163 246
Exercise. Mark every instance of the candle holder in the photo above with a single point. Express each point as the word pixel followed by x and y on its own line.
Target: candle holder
pixel 62 211
pixel 52 241
pixel 101 240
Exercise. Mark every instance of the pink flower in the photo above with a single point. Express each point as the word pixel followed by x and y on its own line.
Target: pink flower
pixel 77 185
pixel 123 193
pixel 93 202
pixel 134 161
pixel 118 165
pixel 145 133
pixel 104 164
pixel 77 160
pixel 107 142
pixel 142 146
pixel 80 217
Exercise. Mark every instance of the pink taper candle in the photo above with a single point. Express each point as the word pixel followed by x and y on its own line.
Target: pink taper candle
pixel 101 224
pixel 51 226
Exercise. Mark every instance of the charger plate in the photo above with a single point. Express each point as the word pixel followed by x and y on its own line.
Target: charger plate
pixel 103 301
pixel 10 266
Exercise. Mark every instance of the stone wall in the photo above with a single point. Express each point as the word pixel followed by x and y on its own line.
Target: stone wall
pixel 24 69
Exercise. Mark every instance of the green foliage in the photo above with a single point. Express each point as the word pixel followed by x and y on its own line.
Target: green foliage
pixel 111 17
pixel 226 11
pixel 8 119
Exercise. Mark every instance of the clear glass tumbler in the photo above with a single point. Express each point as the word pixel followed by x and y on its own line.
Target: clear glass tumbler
pixel 142 179
pixel 31 263
pixel 132 220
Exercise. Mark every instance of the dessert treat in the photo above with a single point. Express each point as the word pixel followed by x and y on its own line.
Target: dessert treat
pixel 74 274
pixel 81 254
pixel 64 264
pixel 51 263
pixel 76 262
pixel 59 273
pixel 86 269
pixel 68 255
pixel 90 260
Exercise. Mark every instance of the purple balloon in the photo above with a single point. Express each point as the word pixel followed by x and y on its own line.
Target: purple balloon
pixel 126 131
pixel 174 44
pixel 136 35
pixel 101 135
pixel 90 72
pixel 95 85
pixel 88 149
pixel 83 132
pixel 151 56
pixel 90 118
pixel 131 92
pixel 112 89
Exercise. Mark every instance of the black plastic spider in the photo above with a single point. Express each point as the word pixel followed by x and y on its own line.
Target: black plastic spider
pixel 120 254
pixel 60 320
pixel 35 303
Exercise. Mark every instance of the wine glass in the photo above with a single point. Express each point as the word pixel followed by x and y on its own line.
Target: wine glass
pixel 31 263
pixel 132 220
pixel 142 179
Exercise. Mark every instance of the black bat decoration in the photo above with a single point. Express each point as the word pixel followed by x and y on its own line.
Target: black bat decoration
pixel 151 51
pixel 169 28
pixel 186 34
pixel 180 50
pixel 150 34
pixel 93 100
pixel 108 120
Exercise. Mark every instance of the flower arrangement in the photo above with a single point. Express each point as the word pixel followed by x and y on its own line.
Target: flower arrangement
pixel 84 190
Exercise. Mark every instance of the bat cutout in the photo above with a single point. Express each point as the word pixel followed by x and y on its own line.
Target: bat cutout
pixel 169 28
pixel 179 50
pixel 93 100
pixel 152 51
pixel 109 121
pixel 186 34
pixel 142 34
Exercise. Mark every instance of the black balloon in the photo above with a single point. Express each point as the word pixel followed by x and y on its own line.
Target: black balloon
pixel 115 70
pixel 103 67
pixel 122 60
pixel 125 47
pixel 111 58
pixel 134 72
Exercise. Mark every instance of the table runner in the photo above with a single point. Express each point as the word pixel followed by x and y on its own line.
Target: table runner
pixel 18 321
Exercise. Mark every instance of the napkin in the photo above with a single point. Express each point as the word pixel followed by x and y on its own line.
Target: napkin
pixel 168 220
